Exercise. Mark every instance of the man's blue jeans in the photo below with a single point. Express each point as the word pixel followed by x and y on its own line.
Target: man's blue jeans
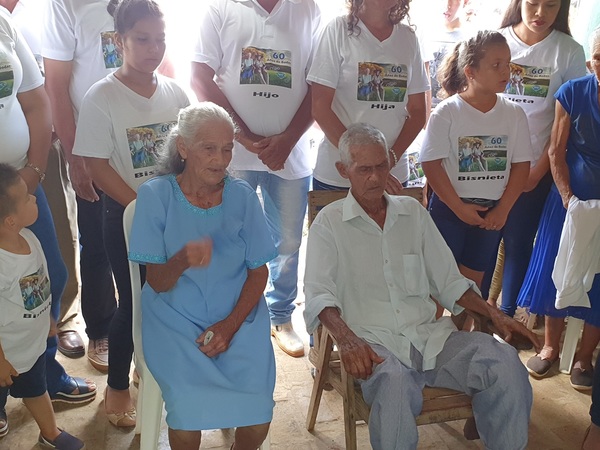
pixel 284 204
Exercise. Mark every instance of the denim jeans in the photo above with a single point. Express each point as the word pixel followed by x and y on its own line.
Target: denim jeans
pixel 284 204
pixel 120 337
pixel 43 228
pixel 98 303
pixel 518 233
pixel 595 408
pixel 320 186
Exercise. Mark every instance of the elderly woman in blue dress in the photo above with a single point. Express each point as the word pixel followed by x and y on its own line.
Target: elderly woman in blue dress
pixel 205 323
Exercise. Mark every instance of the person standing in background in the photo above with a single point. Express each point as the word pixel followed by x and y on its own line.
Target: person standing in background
pixel 271 149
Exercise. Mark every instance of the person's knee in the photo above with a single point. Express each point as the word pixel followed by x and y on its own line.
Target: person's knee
pixel 184 440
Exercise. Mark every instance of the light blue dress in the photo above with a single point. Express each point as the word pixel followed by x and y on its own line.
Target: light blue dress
pixel 236 387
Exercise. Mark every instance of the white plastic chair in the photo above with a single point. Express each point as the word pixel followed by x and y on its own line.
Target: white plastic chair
pixel 150 402
pixel 569 347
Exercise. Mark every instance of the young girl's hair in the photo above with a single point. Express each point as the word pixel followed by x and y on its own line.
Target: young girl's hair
pixel 8 178
pixel 397 13
pixel 469 53
pixel 127 12
pixel 190 123
pixel 512 16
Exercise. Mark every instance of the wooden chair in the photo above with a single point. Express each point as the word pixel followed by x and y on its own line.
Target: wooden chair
pixel 439 405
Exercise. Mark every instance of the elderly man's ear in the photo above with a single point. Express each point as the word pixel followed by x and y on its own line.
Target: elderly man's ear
pixel 342 169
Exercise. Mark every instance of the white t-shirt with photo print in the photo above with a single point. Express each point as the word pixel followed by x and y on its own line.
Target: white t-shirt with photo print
pixel 476 148
pixel 236 38
pixel 115 123
pixel 25 302
pixel 343 62
pixel 79 31
pixel 537 71
pixel 18 73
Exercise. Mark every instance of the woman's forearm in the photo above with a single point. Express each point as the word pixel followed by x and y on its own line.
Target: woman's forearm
pixel 557 152
pixel 417 115
pixel 109 181
pixel 322 98
pixel 251 293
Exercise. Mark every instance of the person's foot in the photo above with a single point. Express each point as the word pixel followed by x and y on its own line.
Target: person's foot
pixel 582 376
pixel 539 365
pixel 119 407
pixel 70 344
pixel 3 423
pixel 75 390
pixel 591 440
pixel 64 441
pixel 287 339
pixel 98 354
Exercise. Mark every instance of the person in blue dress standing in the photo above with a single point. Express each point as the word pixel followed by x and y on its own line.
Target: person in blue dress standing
pixel 575 163
pixel 205 322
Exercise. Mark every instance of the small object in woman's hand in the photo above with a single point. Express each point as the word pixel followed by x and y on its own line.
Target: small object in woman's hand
pixel 208 337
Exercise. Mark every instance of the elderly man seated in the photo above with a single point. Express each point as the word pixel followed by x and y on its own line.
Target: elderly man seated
pixel 373 264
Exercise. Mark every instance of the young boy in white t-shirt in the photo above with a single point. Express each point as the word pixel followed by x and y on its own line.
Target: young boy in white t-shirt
pixel 25 311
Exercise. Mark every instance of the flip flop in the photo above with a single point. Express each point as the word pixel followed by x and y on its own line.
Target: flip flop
pixel 64 441
pixel 66 395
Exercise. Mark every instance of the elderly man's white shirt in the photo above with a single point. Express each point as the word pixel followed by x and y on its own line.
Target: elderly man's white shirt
pixel 381 280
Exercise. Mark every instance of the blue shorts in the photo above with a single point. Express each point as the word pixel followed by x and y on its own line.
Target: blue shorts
pixel 29 384
pixel 473 247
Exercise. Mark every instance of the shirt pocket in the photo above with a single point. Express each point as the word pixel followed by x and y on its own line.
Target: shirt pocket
pixel 414 276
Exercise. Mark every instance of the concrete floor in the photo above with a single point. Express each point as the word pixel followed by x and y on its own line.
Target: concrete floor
pixel 559 418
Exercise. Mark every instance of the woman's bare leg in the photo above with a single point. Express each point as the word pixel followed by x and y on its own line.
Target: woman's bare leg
pixel 184 440
pixel 250 438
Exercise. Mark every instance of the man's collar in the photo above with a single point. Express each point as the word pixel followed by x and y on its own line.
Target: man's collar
pixel 352 209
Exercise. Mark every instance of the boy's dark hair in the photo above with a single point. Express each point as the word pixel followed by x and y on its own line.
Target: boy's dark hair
pixel 8 178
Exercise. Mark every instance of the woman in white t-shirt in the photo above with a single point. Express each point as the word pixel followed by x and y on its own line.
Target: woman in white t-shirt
pixel 132 102
pixel 472 200
pixel 366 46
pixel 543 57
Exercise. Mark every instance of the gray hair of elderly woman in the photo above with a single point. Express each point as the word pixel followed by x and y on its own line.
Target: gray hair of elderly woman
pixel 356 135
pixel 190 123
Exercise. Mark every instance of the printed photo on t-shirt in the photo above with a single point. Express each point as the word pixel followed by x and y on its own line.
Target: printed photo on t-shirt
pixel 7 77
pixel 144 144
pixel 35 289
pixel 111 53
pixel 528 80
pixel 482 153
pixel 266 66
pixel 381 82
pixel 415 171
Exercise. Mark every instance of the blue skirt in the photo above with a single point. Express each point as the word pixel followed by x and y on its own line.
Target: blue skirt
pixel 538 292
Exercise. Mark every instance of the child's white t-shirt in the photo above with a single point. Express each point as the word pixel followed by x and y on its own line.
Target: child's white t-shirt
pixel 25 301
pixel 476 148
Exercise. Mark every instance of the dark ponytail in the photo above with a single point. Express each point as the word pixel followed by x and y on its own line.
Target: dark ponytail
pixel 469 53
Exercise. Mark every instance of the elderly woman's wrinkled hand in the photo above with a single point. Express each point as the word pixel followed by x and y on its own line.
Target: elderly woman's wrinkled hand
pixel 198 253
pixel 222 333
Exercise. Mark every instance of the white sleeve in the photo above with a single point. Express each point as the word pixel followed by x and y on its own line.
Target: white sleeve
pixel 576 65
pixel 317 24
pixel 208 47
pixel 94 133
pixel 32 77
pixel 522 151
pixel 436 144
pixel 325 67
pixel 58 35
pixel 419 80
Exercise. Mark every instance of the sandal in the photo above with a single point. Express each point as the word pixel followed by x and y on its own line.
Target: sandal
pixel 582 379
pixel 538 366
pixel 3 423
pixel 64 441
pixel 86 388
pixel 122 418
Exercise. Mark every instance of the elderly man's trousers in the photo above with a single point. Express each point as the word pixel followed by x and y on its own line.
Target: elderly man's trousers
pixel 473 363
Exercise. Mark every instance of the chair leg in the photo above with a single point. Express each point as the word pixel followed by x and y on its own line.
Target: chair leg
pixel 325 345
pixel 569 347
pixel 349 408
pixel 149 418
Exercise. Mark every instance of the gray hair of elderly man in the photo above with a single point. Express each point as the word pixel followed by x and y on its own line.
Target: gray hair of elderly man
pixel 356 135
pixel 594 38
pixel 190 123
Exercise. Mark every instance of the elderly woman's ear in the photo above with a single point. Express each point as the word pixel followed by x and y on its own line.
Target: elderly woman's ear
pixel 181 147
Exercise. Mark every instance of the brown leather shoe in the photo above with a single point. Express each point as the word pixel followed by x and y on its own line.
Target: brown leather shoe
pixel 70 344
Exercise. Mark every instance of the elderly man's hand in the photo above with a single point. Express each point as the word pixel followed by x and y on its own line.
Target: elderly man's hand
pixel 217 338
pixel 357 356
pixel 507 327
